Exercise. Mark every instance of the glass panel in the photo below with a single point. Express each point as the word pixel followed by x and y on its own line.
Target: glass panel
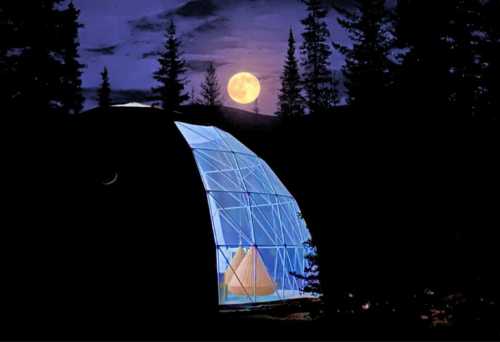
pixel 202 137
pixel 293 268
pixel 267 275
pixel 234 144
pixel 219 170
pixel 278 187
pixel 253 175
pixel 232 213
pixel 289 221
pixel 229 279
pixel 265 219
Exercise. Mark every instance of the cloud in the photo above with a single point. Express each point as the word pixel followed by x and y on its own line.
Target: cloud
pixel 196 8
pixel 151 54
pixel 211 25
pixel 271 76
pixel 191 9
pixel 105 50
pixel 146 24
pixel 192 43
pixel 200 65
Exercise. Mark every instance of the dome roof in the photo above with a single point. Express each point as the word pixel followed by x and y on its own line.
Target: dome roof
pixel 250 208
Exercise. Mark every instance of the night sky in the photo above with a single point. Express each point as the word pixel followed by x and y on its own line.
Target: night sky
pixel 237 35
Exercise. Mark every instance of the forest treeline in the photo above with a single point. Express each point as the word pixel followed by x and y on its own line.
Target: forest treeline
pixel 415 59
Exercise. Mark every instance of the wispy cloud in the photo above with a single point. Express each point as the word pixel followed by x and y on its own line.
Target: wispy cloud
pixel 198 65
pixel 192 9
pixel 105 50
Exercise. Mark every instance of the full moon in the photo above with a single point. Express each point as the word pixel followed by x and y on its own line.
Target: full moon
pixel 243 87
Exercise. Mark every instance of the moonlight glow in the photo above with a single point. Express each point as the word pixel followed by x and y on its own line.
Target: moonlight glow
pixel 243 88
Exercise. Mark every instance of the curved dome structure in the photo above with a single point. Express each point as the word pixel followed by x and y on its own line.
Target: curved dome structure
pixel 258 229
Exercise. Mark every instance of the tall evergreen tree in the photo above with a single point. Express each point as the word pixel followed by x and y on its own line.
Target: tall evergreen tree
pixel 490 47
pixel 316 53
pixel 6 65
pixel 367 67
pixel 104 91
pixel 256 108
pixel 465 57
pixel 170 75
pixel 291 101
pixel 335 90
pixel 210 89
pixel 423 77
pixel 193 99
pixel 310 274
pixel 72 98
pixel 35 53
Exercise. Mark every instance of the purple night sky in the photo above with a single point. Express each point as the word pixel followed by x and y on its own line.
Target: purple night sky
pixel 244 35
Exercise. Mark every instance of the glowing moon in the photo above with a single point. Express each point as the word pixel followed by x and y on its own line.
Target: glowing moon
pixel 243 88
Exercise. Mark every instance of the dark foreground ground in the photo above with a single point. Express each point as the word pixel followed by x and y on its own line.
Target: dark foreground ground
pixel 404 215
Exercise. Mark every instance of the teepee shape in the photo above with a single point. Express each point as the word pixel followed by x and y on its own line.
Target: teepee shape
pixel 238 257
pixel 252 277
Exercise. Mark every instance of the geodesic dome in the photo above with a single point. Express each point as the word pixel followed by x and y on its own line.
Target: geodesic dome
pixel 258 229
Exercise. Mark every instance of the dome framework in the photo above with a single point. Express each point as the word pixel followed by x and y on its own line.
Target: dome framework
pixel 258 229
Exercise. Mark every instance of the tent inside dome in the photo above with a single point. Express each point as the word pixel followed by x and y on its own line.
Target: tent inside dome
pixel 258 229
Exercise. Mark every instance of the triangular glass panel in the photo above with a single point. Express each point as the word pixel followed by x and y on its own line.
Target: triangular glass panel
pixel 228 274
pixel 219 170
pixel 253 175
pixel 233 216
pixel 234 144
pixel 265 220
pixel 202 137
pixel 277 185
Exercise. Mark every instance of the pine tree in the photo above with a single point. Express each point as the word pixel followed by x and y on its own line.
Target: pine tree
pixel 311 275
pixel 104 92
pixel 6 65
pixel 256 108
pixel 36 54
pixel 334 99
pixel 424 75
pixel 367 66
pixel 171 71
pixel 491 52
pixel 291 101
pixel 194 100
pixel 465 44
pixel 210 89
pixel 72 98
pixel 316 53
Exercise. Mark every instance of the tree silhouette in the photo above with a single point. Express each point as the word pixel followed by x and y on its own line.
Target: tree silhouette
pixel 210 89
pixel 39 57
pixel 171 71
pixel 311 276
pixel 423 77
pixel 6 65
pixel 466 61
pixel 335 97
pixel 316 52
pixel 291 101
pixel 193 98
pixel 36 61
pixel 366 70
pixel 72 98
pixel 491 54
pixel 256 108
pixel 104 91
